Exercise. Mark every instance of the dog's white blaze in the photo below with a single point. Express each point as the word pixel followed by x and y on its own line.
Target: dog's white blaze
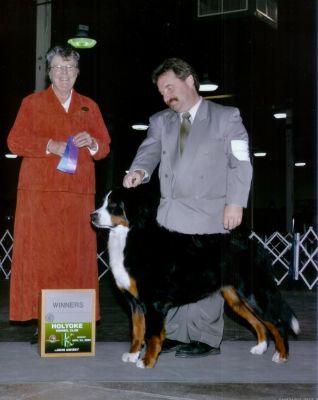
pixel 260 348
pixel 295 326
pixel 116 245
pixel 104 218
pixel 131 357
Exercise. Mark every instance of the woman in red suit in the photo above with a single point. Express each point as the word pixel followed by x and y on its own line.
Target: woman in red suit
pixel 54 243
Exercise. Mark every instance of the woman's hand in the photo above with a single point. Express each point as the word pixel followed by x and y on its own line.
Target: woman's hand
pixel 84 139
pixel 56 147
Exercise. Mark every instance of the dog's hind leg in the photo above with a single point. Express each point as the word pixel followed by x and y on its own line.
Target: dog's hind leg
pixel 138 330
pixel 243 310
pixel 280 317
pixel 281 343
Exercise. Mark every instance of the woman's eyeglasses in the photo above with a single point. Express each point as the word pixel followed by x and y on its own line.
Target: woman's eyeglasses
pixel 64 68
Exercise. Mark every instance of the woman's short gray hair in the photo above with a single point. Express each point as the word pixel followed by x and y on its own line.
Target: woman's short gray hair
pixel 66 53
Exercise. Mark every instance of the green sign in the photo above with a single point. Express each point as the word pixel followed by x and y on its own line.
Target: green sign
pixel 67 322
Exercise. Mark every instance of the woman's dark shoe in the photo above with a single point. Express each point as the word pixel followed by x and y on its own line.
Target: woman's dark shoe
pixel 35 337
pixel 196 349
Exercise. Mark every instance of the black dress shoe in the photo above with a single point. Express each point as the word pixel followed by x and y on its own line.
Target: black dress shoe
pixel 196 349
pixel 170 345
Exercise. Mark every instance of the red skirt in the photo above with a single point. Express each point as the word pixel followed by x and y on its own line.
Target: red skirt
pixel 54 248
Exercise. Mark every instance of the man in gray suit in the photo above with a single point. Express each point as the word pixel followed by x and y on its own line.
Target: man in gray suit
pixel 204 186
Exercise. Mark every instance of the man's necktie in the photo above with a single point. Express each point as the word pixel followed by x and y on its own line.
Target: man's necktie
pixel 184 129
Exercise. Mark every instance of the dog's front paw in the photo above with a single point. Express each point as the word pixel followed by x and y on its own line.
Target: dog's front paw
pixel 260 348
pixel 146 363
pixel 130 357
pixel 140 364
pixel 278 359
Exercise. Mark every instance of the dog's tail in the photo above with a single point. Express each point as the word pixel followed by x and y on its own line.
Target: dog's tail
pixel 282 311
pixel 289 317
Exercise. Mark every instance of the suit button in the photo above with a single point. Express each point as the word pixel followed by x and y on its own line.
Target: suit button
pixel 166 176
pixel 164 152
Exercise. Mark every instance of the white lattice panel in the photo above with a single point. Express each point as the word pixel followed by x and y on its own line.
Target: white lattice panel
pixel 293 256
pixel 6 246
pixel 308 258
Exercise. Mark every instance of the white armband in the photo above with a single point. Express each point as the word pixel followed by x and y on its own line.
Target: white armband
pixel 240 150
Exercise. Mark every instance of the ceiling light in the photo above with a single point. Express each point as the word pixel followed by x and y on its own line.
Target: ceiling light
pixel 300 164
pixel 260 154
pixel 9 155
pixel 206 85
pixel 140 127
pixel 81 40
pixel 280 115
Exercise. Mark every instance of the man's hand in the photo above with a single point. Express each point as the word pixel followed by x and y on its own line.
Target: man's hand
pixel 233 215
pixel 133 178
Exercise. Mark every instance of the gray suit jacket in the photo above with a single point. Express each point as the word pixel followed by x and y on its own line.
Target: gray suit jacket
pixel 213 170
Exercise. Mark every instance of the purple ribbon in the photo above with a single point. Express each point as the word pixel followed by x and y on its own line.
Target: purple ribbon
pixel 68 161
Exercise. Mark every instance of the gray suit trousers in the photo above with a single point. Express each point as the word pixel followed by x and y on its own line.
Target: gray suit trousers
pixel 201 321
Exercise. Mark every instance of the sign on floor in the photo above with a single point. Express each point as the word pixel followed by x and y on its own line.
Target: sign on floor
pixel 68 322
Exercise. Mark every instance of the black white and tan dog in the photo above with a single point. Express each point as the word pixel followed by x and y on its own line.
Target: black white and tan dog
pixel 157 269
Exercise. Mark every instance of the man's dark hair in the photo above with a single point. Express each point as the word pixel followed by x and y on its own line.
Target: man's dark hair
pixel 180 67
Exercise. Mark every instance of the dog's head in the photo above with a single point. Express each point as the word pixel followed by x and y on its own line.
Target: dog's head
pixel 126 207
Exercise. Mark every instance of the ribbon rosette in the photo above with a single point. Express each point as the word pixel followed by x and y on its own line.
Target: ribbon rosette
pixel 68 161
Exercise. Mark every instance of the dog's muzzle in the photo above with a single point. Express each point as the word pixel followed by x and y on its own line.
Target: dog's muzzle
pixel 95 218
pixel 99 222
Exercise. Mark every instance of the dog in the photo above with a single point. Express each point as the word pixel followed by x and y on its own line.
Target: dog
pixel 157 269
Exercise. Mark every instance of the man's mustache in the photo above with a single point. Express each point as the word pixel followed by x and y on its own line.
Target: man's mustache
pixel 171 100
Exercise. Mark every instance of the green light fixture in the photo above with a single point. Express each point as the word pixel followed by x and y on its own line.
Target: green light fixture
pixel 81 40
